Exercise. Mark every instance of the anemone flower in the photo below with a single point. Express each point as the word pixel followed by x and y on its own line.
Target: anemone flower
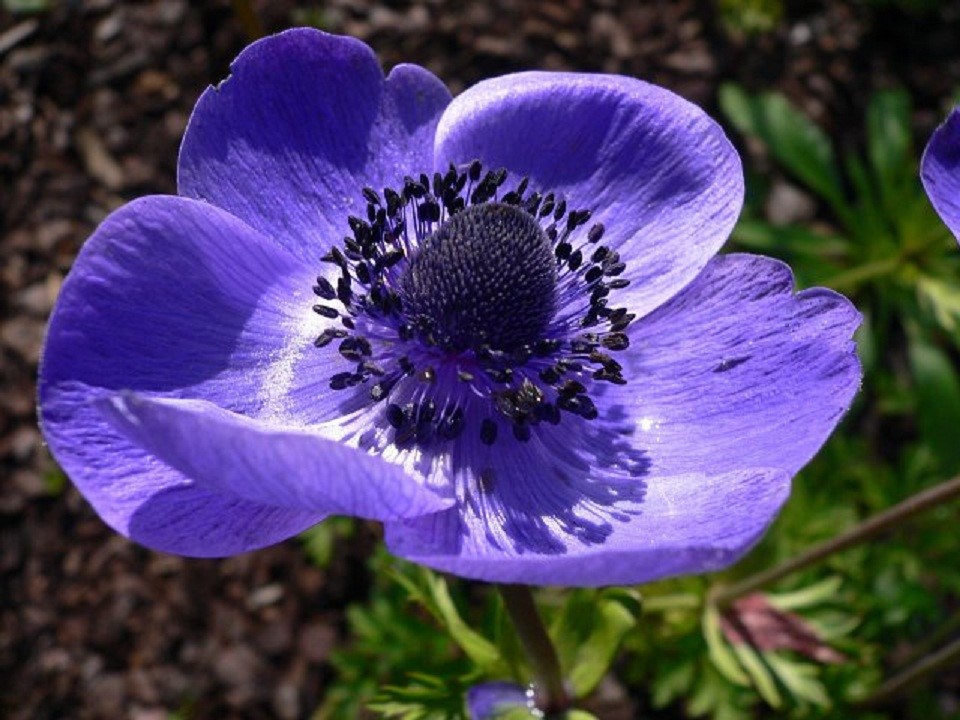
pixel 940 172
pixel 497 323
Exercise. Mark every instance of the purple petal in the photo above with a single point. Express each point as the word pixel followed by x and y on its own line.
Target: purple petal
pixel 739 371
pixel 940 172
pixel 175 296
pixel 678 525
pixel 269 465
pixel 487 701
pixel 145 499
pixel 732 387
pixel 302 124
pixel 657 171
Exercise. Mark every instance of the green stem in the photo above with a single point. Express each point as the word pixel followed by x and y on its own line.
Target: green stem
pixel 866 530
pixel 849 279
pixel 548 680
pixel 919 671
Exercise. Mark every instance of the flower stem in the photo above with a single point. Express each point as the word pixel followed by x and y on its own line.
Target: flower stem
pixel 869 528
pixel 548 680
pixel 907 678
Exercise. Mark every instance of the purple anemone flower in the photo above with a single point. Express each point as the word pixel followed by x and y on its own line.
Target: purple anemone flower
pixel 495 323
pixel 940 172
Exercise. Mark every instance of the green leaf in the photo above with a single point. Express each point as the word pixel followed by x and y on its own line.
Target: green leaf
pixel 388 644
pixel 943 298
pixel 673 683
pixel 938 399
pixel 890 144
pixel 800 679
pixel 424 698
pixel 759 673
pixel 815 594
pixel 721 656
pixel 869 227
pixel 799 145
pixel 795 239
pixel 431 591
pixel 588 630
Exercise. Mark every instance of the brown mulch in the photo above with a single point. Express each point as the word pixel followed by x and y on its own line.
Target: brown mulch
pixel 94 97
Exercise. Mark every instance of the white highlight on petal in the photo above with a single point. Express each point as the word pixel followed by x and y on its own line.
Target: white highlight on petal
pixel 301 329
pixel 648 423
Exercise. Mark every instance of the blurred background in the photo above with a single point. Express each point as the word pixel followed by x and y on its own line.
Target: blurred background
pixel 830 103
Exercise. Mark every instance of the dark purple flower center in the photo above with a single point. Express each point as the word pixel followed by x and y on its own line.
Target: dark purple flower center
pixel 462 305
pixel 487 276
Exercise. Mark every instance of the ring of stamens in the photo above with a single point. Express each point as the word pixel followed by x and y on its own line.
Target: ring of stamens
pixel 402 331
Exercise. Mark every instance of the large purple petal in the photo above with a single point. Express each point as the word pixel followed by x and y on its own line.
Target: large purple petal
pixel 680 525
pixel 940 172
pixel 657 171
pixel 145 499
pixel 269 465
pixel 580 504
pixel 739 371
pixel 175 297
pixel 302 124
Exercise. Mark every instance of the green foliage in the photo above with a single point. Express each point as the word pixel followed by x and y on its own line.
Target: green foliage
pixel 424 697
pixel 393 647
pixel 587 633
pixel 414 651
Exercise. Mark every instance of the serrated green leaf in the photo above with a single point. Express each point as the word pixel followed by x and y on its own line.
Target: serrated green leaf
pixel 760 676
pixel 716 697
pixel 431 591
pixel 796 142
pixel 587 632
pixel 831 626
pixel 720 653
pixel 425 697
pixel 815 594
pixel 800 680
